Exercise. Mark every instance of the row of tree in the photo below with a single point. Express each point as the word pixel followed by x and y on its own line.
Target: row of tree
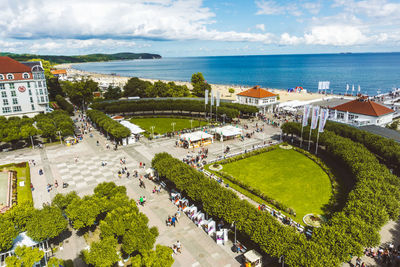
pixel 114 128
pixel 14 129
pixel 64 104
pixel 231 110
pixel 121 224
pixel 387 149
pixel 374 199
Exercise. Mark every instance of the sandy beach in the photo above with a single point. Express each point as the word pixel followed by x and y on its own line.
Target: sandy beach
pixel 224 89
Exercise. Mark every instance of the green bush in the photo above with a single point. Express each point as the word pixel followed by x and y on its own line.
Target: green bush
pixel 65 105
pixel 111 126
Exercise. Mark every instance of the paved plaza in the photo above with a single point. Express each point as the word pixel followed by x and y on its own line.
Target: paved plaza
pixel 81 167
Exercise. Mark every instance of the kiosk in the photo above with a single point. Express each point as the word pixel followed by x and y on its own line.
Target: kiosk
pixel 252 259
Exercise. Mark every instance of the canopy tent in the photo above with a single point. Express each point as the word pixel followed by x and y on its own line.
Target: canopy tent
pixel 132 127
pixel 227 131
pixel 195 136
pixel 23 240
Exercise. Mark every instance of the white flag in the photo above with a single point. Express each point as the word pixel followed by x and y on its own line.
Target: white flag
pixel 206 97
pixel 322 119
pixel 314 118
pixel 352 89
pixel 218 98
pixel 306 115
pixel 347 87
pixel 359 88
pixel 212 98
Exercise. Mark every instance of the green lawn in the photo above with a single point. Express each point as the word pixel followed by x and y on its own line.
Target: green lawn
pixel 24 193
pixel 286 176
pixel 163 125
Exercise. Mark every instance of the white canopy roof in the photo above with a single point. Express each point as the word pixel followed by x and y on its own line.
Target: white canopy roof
pixel 132 127
pixel 23 240
pixel 195 136
pixel 228 130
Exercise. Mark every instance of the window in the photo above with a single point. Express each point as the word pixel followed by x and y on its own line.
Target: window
pixel 44 83
pixel 5 102
pixel 2 87
pixel 10 76
pixel 35 84
pixel 31 99
pixel 15 101
pixel 12 86
pixel 47 99
pixel 17 108
pixel 13 93
pixel 4 94
pixel 30 92
pixel 37 92
pixel 6 109
pixel 1 77
pixel 40 84
pixel 41 91
pixel 33 107
pixel 42 99
pixel 29 85
pixel 26 76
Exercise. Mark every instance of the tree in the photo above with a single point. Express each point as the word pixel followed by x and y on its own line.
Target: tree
pixel 113 92
pixel 25 256
pixel 7 233
pixel 46 223
pixel 231 90
pixel 83 212
pixel 54 88
pixel 62 201
pixel 80 92
pixel 136 87
pixel 20 214
pixel 55 262
pixel 199 84
pixel 161 257
pixel 102 253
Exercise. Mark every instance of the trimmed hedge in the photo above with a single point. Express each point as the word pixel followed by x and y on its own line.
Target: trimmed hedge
pixel 387 149
pixel 231 110
pixel 111 126
pixel 65 105
pixel 374 199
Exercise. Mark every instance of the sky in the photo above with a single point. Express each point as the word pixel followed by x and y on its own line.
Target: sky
pixel 176 28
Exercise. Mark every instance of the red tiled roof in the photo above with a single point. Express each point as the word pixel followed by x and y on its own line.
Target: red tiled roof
pixel 257 92
pixel 55 72
pixel 9 65
pixel 365 107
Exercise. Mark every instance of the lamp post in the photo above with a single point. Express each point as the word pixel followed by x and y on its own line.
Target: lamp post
pixel 152 131
pixel 191 124
pixel 234 225
pixel 223 116
pixel 59 136
pixel 173 126
pixel 33 147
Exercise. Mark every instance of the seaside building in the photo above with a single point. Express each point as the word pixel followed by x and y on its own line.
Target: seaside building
pixel 60 74
pixel 23 88
pixel 360 112
pixel 259 97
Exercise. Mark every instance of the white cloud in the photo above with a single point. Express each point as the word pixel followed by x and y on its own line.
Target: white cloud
pixel 287 39
pixel 270 7
pixel 372 8
pixel 312 7
pixel 337 35
pixel 261 27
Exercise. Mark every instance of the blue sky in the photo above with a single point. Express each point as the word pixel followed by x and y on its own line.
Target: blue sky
pixel 199 28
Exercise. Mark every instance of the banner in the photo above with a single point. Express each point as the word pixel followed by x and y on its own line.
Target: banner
pixel 206 97
pixel 322 120
pixel 314 118
pixel 306 115
pixel 218 98
pixel 212 98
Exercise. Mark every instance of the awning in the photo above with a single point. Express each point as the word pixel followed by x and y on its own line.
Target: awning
pixel 132 127
pixel 195 136
pixel 227 131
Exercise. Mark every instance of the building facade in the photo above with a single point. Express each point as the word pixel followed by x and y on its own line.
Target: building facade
pixel 361 112
pixel 259 97
pixel 23 89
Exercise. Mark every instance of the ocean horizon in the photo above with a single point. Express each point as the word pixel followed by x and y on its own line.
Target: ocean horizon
pixel 374 72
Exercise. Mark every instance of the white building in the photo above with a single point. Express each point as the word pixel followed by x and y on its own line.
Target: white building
pixel 259 97
pixel 23 89
pixel 360 112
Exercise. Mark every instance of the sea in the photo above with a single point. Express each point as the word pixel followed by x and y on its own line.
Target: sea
pixel 375 73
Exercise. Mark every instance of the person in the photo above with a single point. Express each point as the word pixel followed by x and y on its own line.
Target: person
pixel 358 262
pixel 40 172
pixel 141 200
pixel 127 174
pixel 56 183
pixel 178 246
pixel 173 220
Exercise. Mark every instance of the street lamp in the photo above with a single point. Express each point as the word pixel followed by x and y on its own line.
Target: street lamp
pixel 223 116
pixel 191 124
pixel 59 136
pixel 152 131
pixel 234 225
pixel 33 147
pixel 173 126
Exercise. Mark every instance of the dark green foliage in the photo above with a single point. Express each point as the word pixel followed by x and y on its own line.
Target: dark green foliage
pixel 102 253
pixel 64 104
pixel 199 84
pixel 116 129
pixel 54 88
pixel 231 110
pixel 82 58
pixel 80 93
pixel 143 89
pixel 46 223
pixel 7 233
pixel 83 212
pixel 50 123
pixel 25 256
pixel 62 201
pixel 113 93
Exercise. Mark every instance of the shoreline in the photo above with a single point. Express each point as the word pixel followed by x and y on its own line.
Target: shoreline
pixel 105 79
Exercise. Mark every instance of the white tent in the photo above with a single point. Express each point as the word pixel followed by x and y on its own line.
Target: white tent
pixel 227 131
pixel 195 136
pixel 132 127
pixel 23 240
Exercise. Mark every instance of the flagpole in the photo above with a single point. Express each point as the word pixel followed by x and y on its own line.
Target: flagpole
pixel 309 139
pixel 316 147
pixel 301 136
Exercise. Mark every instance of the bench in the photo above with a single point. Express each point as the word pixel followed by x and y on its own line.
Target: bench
pixel 163 185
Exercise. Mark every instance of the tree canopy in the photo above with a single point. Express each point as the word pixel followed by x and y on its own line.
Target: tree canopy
pixel 199 84
pixel 46 223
